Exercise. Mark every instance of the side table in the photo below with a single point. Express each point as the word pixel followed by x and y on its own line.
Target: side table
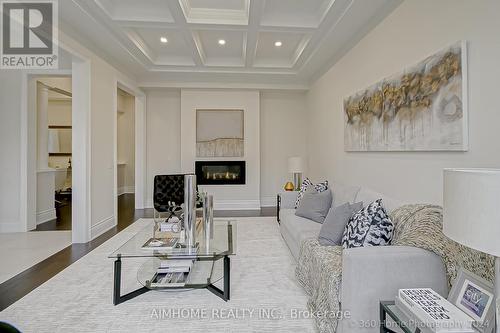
pixel 388 308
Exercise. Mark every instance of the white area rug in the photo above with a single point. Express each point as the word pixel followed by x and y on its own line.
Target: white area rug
pixel 21 250
pixel 265 296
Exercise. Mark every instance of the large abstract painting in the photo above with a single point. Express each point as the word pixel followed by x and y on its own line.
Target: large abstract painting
pixel 424 108
pixel 219 133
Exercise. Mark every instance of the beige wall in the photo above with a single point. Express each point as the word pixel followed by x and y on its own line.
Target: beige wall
pixel 283 134
pixel 415 30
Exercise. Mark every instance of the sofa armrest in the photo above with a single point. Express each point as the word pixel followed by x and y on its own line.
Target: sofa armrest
pixel 287 199
pixel 372 274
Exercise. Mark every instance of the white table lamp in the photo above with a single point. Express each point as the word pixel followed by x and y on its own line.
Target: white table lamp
pixel 296 167
pixel 471 212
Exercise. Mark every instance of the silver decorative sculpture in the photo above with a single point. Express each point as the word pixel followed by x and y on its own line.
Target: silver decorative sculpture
pixel 190 210
pixel 208 218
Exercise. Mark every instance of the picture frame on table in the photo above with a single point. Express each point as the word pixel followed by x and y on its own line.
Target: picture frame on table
pixel 474 296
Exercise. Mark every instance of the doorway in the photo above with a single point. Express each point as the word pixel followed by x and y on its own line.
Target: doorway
pixel 54 153
pixel 125 153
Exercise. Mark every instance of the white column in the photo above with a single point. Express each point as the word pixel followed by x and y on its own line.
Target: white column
pixel 42 116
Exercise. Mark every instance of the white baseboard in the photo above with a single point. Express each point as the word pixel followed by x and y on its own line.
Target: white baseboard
pixel 125 189
pixel 269 201
pixel 45 216
pixel 236 204
pixel 102 226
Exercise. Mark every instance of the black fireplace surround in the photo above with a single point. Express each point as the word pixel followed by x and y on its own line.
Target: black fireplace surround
pixel 220 172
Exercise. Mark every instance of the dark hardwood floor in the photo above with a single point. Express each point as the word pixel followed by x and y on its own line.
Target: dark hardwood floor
pixel 23 283
pixel 63 220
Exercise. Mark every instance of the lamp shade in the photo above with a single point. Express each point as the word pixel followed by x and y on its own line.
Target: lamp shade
pixel 471 208
pixel 295 164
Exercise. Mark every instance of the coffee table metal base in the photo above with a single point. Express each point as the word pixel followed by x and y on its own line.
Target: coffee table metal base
pixel 224 293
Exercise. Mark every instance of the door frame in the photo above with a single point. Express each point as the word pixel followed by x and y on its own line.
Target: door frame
pixel 81 154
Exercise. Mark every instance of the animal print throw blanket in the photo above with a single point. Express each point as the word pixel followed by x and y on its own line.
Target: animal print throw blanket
pixel 319 268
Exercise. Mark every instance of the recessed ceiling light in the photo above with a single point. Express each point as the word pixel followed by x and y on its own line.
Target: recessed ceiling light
pixel 163 39
pixel 222 42
pixel 278 43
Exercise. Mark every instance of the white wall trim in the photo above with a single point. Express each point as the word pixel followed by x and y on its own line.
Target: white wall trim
pixel 45 216
pixel 81 214
pixel 237 204
pixel 140 152
pixel 102 226
pixel 221 85
pixel 268 201
pixel 126 189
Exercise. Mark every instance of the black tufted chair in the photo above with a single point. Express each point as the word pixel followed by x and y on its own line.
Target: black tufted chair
pixel 168 193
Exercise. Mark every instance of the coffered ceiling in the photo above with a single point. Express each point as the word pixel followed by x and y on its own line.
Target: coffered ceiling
pixel 239 42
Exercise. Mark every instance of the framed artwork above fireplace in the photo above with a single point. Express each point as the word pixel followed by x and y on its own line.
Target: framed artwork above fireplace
pixel 219 133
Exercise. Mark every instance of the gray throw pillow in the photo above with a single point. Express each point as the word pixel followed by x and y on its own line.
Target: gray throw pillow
pixel 333 227
pixel 315 206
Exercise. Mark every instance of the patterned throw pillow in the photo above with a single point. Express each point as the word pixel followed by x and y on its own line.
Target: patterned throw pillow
pixel 320 187
pixel 371 226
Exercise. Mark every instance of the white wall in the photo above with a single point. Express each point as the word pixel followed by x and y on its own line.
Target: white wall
pixel 245 196
pixel 282 135
pixel 282 113
pixel 163 135
pixel 10 150
pixel 416 29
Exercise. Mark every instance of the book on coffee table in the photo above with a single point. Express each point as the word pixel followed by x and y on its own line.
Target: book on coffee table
pixel 176 279
pixel 427 307
pixel 160 244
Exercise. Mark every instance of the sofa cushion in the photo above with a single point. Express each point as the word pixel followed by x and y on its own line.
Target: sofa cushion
pixel 333 227
pixel 344 193
pixel 306 183
pixel 315 206
pixel 371 226
pixel 295 229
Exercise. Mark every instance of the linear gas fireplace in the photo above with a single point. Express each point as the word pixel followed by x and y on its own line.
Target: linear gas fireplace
pixel 220 172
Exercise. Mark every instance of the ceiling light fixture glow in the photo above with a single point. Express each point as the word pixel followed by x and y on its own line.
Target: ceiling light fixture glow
pixel 222 42
pixel 278 43
pixel 163 39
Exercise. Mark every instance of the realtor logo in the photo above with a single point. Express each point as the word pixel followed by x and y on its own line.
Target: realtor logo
pixel 29 34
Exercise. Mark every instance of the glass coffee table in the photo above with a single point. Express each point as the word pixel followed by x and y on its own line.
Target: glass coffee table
pixel 209 261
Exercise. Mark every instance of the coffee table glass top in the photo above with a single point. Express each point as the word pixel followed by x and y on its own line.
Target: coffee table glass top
pixel 222 243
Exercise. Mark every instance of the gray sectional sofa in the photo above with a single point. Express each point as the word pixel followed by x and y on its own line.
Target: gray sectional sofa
pixel 369 274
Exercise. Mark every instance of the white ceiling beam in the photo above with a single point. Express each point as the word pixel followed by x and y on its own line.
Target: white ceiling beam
pixel 180 20
pixel 250 45
pixel 297 29
pixel 145 24
pixel 330 21
pixel 95 12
